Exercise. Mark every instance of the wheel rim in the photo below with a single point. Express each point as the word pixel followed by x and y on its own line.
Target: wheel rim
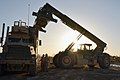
pixel 66 60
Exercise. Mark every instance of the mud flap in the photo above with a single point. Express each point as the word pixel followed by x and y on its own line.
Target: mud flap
pixel 2 69
pixel 32 70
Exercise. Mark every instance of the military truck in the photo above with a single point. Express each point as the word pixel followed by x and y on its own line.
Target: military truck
pixel 19 48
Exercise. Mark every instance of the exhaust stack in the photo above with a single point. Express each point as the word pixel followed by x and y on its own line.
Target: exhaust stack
pixel 3 30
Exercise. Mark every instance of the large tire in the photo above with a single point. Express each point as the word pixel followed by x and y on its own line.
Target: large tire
pixel 104 61
pixel 74 56
pixel 66 60
pixel 56 60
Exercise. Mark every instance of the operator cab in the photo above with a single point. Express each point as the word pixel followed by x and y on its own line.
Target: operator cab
pixel 85 47
pixel 85 50
pixel 20 23
pixel 20 27
pixel 19 34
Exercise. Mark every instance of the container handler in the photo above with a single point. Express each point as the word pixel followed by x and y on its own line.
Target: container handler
pixel 67 59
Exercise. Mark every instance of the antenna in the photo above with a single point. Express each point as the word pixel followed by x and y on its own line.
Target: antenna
pixel 28 13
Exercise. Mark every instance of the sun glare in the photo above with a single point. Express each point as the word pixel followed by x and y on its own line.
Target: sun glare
pixel 69 37
pixel 72 36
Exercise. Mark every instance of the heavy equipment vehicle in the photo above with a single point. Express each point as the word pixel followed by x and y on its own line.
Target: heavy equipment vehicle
pixel 67 59
pixel 19 48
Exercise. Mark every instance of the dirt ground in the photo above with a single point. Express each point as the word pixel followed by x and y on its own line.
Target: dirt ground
pixel 68 74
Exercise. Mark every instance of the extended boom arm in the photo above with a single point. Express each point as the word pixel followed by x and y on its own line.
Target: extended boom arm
pixel 46 13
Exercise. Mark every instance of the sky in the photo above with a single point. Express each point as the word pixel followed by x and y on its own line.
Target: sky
pixel 100 17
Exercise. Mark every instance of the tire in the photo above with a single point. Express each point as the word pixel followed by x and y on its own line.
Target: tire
pixel 56 60
pixel 74 56
pixel 104 61
pixel 66 60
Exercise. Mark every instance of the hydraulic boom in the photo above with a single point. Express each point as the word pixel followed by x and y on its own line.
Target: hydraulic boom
pixel 66 59
pixel 47 10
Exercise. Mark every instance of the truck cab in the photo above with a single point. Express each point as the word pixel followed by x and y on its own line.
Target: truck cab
pixel 18 50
